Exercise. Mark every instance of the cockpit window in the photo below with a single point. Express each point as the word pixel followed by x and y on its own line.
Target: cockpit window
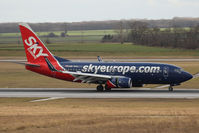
pixel 178 70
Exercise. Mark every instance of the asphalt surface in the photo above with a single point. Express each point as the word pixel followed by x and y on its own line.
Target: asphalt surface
pixel 91 93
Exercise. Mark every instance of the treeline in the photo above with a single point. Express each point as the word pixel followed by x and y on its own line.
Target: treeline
pixel 171 37
pixel 174 37
pixel 100 25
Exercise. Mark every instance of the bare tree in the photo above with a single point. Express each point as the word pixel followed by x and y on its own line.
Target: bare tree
pixel 120 31
pixel 137 30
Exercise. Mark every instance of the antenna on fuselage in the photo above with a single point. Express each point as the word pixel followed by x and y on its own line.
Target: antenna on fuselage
pixel 99 59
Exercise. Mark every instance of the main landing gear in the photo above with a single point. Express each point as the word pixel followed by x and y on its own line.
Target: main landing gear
pixel 107 88
pixel 170 88
pixel 100 88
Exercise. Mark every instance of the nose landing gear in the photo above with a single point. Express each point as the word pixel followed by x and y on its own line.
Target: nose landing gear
pixel 170 88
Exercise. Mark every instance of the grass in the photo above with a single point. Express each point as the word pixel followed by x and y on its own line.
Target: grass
pixel 70 33
pixel 74 39
pixel 77 32
pixel 92 38
pixel 100 115
pixel 127 50
pixel 73 36
pixel 15 75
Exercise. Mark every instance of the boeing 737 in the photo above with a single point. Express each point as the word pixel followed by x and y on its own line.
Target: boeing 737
pixel 106 75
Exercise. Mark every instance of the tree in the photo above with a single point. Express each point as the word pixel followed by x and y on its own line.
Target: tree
pixel 51 35
pixel 121 28
pixel 137 30
pixel 47 41
pixel 107 38
pixel 63 34
pixel 65 28
pixel 120 31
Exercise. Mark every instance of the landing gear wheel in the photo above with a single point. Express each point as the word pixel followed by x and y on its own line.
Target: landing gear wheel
pixel 170 88
pixel 100 88
pixel 107 88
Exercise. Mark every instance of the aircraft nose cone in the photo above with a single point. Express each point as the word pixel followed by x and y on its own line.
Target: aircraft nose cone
pixel 187 76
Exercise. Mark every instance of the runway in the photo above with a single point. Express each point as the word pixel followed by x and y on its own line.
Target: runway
pixel 91 93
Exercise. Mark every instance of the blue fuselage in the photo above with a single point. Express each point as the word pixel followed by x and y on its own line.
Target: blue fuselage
pixel 140 73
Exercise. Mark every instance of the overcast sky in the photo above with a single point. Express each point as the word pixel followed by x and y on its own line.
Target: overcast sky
pixel 86 10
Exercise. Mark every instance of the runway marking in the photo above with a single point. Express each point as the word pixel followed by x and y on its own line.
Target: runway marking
pixel 163 86
pixel 47 99
pixel 196 75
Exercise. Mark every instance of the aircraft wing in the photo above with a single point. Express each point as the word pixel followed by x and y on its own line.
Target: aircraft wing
pixel 79 76
pixel 87 77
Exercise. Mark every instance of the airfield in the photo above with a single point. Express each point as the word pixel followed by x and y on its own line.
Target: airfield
pixel 31 102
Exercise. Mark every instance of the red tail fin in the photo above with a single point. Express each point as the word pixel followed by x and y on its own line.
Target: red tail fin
pixel 35 48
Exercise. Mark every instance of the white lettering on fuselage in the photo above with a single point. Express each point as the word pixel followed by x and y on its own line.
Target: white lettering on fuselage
pixel 33 47
pixel 120 69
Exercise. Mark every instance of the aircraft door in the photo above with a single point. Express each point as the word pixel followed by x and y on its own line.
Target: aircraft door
pixel 166 72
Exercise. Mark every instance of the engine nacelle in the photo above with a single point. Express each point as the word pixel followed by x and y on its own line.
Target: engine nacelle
pixel 119 82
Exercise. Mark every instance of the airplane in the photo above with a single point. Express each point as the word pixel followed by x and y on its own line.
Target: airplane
pixel 106 75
